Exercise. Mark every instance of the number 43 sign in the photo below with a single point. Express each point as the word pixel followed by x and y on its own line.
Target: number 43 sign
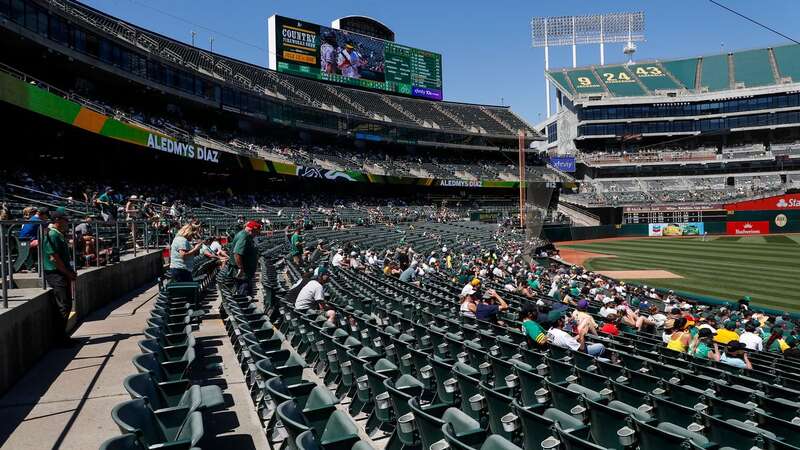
pixel 623 77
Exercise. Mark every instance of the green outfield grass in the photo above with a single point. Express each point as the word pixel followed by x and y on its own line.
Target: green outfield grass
pixel 727 267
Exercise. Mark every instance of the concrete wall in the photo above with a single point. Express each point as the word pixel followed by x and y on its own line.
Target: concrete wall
pixel 25 333
pixel 26 327
pixel 98 286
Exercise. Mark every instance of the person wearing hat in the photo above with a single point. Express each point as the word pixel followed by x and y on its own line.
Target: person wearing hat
pixel 744 303
pixel 59 274
pixel 487 309
pixel 105 202
pixel 338 258
pixel 349 61
pixel 583 319
pixel 245 257
pixel 470 287
pixel 775 343
pixel 182 253
pixel 735 355
pixel 312 295
pixel 727 334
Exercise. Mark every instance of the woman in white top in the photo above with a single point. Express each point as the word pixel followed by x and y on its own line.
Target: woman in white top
pixel 468 304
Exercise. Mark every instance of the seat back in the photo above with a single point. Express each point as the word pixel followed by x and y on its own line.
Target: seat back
pixel 192 430
pixel 123 442
pixel 428 421
pixel 572 442
pixel 293 421
pixel 135 417
pixel 461 431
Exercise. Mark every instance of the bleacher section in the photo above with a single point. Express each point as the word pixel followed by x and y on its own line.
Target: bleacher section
pixel 267 83
pixel 713 73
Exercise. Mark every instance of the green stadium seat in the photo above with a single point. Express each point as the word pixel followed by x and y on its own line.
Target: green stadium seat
pixel 753 68
pixel 684 70
pixel 170 428
pixel 715 73
pixel 787 58
pixel 123 442
pixel 461 431
pixel 653 76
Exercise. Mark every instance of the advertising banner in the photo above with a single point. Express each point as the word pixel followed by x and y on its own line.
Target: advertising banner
pixel 776 203
pixel 747 228
pixel 676 229
pixel 563 163
pixel 322 53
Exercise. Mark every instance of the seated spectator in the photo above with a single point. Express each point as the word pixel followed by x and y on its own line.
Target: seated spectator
pixel 727 334
pixel 487 309
pixel 750 339
pixel 30 230
pixel 735 355
pixel 775 343
pixel 312 294
pixel 679 339
pixel 609 307
pixel 610 326
pixel 533 331
pixel 560 338
pixel 583 319
pixel 702 343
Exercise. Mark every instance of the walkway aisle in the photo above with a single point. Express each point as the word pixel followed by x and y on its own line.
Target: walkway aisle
pixel 65 400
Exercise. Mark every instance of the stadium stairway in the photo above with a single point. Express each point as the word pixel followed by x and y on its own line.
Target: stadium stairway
pixel 67 399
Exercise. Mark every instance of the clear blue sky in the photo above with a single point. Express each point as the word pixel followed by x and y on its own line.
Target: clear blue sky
pixel 487 57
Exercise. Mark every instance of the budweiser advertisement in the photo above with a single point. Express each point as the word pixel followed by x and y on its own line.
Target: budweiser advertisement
pixel 776 203
pixel 747 228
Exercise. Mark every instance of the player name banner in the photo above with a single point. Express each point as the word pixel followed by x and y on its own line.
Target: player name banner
pixel 191 151
pixel 676 229
pixel 736 228
pixel 776 203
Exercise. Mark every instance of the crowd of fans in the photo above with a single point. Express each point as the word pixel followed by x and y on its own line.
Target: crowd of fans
pixel 561 304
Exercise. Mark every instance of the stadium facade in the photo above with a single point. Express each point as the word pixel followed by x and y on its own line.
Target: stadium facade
pixel 689 134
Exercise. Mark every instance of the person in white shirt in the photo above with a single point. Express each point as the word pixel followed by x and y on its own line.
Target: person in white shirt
pixel 608 308
pixel 560 338
pixel 750 339
pixel 469 288
pixel 313 293
pixel 337 259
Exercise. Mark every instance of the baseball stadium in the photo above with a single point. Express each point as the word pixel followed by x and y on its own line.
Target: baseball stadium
pixel 322 248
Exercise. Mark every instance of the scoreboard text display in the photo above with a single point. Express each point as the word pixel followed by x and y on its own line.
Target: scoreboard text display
pixel 323 53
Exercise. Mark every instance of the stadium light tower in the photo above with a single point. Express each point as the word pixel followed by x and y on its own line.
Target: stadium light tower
pixel 582 30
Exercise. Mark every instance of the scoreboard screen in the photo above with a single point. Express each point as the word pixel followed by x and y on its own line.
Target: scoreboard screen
pixel 673 216
pixel 315 51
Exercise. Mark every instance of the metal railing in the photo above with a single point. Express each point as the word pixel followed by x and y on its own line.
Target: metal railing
pixel 91 243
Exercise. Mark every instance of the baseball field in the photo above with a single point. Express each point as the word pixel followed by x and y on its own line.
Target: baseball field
pixel 767 268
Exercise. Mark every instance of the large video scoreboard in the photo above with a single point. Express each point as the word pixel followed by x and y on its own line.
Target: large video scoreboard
pixel 322 53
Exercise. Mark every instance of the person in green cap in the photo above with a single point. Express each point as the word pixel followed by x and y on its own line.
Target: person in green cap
pixel 59 274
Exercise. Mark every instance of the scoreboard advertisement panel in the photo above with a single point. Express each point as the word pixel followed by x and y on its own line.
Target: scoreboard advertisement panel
pixel 322 53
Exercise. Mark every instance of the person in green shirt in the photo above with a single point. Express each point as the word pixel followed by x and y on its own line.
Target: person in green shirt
pixel 245 256
pixel 297 246
pixel 533 331
pixel 702 343
pixel 59 274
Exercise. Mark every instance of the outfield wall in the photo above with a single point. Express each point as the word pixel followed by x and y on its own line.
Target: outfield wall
pixel 773 222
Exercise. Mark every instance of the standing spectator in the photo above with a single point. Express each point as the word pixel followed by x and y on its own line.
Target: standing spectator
pixel 245 255
pixel 182 253
pixel 58 274
pixel 105 201
pixel 132 214
pixel 296 242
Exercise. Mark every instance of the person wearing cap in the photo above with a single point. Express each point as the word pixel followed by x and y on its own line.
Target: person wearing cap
pixel 58 273
pixel 735 355
pixel 727 334
pixel 470 287
pixel 312 294
pixel 245 257
pixel 105 202
pixel 182 253
pixel 775 343
pixel 583 319
pixel 608 308
pixel 338 258
pixel 296 242
pixel 487 309
pixel 744 303
pixel 469 303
